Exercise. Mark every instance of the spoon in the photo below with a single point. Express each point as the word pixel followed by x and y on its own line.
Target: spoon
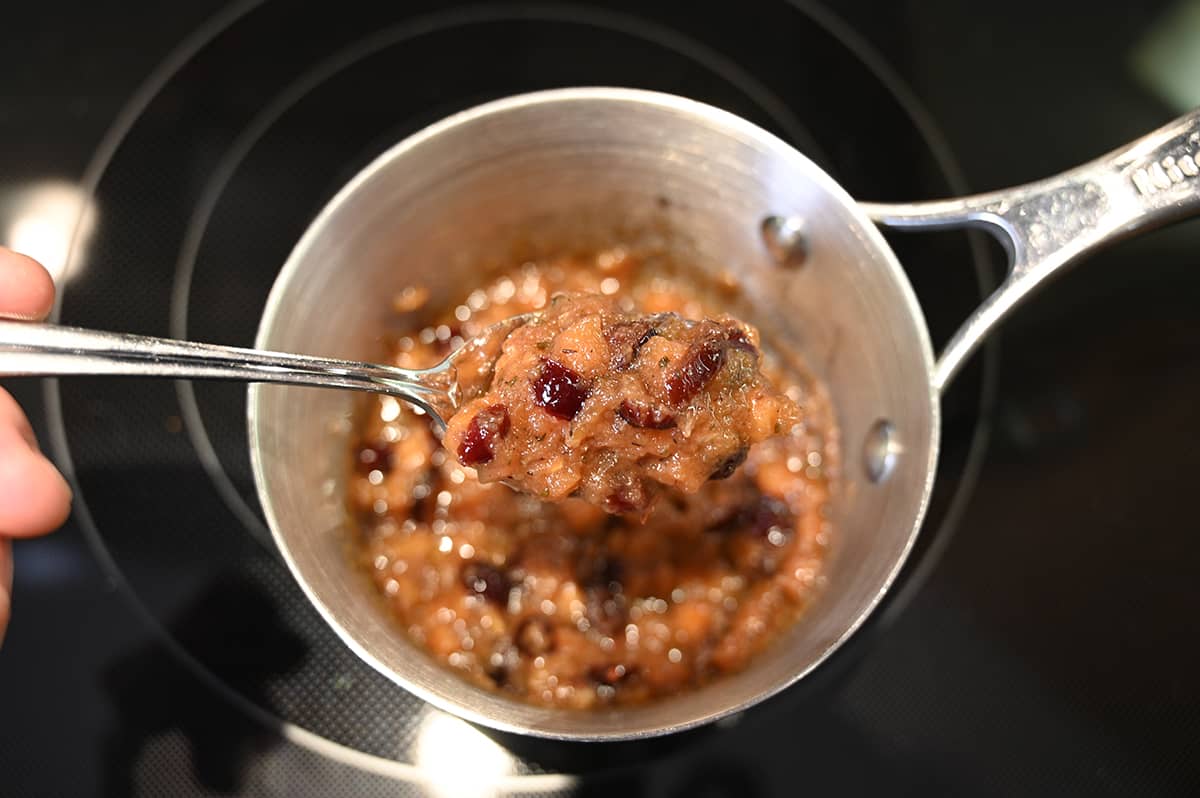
pixel 49 350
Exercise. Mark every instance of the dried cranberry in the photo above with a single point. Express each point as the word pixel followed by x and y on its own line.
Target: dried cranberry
pixel 629 497
pixel 767 514
pixel 535 636
pixel 626 339
pixel 610 675
pixel 756 518
pixel 739 340
pixel 558 389
pixel 478 445
pixel 374 457
pixel 487 581
pixel 618 503
pixel 730 464
pixel 701 362
pixel 645 416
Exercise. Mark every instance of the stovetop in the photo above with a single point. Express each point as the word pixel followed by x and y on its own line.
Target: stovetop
pixel 1043 638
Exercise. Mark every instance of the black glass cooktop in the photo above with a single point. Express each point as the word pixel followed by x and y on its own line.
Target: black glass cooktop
pixel 1039 639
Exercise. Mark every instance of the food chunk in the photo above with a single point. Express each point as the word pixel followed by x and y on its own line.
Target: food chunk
pixel 613 407
pixel 571 604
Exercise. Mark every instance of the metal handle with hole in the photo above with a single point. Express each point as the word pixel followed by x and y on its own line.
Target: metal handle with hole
pixel 1050 224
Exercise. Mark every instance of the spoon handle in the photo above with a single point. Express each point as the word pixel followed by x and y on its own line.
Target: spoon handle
pixel 48 350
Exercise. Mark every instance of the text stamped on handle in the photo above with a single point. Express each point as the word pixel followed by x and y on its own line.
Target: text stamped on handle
pixel 1170 170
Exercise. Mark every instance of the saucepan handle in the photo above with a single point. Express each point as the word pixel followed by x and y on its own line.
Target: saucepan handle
pixel 1049 224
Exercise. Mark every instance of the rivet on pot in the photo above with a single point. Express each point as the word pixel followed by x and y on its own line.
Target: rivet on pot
pixel 881 450
pixel 785 240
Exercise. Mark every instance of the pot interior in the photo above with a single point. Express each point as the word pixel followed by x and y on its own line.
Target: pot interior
pixel 588 168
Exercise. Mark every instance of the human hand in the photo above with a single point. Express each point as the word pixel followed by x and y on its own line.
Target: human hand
pixel 34 498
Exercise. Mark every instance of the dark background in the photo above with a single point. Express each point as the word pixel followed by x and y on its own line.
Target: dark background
pixel 1053 651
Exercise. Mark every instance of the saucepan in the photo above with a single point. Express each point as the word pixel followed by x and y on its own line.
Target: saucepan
pixel 537 173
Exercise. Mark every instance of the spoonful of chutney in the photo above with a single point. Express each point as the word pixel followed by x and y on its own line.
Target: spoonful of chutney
pixel 579 399
pixel 586 400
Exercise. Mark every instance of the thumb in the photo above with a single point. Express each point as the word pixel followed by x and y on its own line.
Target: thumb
pixel 26 290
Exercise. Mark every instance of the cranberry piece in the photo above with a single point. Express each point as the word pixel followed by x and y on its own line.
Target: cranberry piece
pixel 619 503
pixel 626 339
pixel 629 497
pixel 535 636
pixel 610 675
pixel 757 518
pixel 739 340
pixel 645 416
pixel 558 389
pixel 769 513
pixel 478 445
pixel 730 464
pixel 374 457
pixel 701 362
pixel 487 581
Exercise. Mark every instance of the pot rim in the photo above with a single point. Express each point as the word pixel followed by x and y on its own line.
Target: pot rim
pixel 700 112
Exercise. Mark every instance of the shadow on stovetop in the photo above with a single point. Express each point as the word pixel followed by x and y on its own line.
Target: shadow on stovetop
pixel 151 694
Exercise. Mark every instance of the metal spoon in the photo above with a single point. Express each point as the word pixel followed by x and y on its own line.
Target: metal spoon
pixel 48 350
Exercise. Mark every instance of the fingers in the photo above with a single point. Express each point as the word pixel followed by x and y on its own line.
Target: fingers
pixel 26 289
pixel 34 497
pixel 5 585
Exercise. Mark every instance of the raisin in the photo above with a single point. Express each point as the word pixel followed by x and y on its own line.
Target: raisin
pixel 374 457
pixel 498 675
pixel 730 464
pixel 558 390
pixel 535 636
pixel 701 363
pixel 626 339
pixel 602 580
pixel 612 574
pixel 499 665
pixel 645 416
pixel 487 581
pixel 603 574
pixel 478 445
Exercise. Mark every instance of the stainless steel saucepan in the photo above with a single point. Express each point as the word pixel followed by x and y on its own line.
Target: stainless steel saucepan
pixel 536 173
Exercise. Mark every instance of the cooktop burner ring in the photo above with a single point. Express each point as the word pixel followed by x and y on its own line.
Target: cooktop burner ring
pixel 185 393
pixel 192 418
